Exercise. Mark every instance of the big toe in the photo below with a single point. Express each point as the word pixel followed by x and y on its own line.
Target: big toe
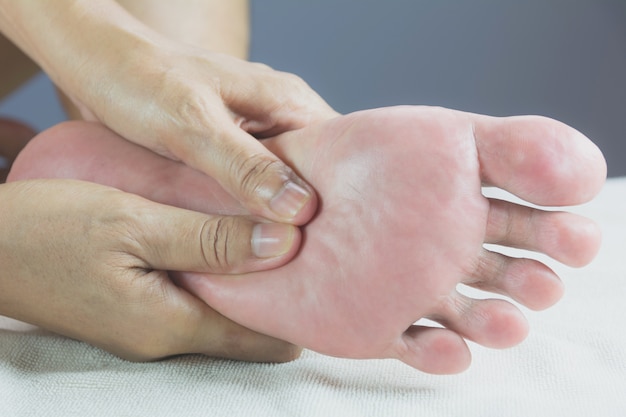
pixel 540 160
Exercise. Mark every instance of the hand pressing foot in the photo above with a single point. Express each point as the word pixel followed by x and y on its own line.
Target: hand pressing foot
pixel 402 223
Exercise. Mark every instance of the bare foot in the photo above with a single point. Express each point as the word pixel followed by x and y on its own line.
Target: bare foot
pixel 402 223
pixel 14 136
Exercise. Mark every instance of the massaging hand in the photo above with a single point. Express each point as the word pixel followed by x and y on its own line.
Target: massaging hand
pixel 183 102
pixel 89 262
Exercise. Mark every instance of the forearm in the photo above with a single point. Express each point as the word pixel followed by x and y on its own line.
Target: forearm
pixel 216 25
pixel 16 67
pixel 72 39
pixel 182 101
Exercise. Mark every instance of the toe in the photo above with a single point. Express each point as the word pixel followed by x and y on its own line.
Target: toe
pixel 527 281
pixel 566 237
pixel 433 350
pixel 491 323
pixel 538 159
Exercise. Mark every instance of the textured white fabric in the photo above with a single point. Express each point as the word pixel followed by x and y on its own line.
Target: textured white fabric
pixel 572 364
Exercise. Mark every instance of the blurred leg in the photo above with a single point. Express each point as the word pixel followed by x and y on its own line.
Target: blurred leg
pixel 16 67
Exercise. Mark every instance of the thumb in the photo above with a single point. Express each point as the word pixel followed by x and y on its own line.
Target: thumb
pixel 264 184
pixel 176 239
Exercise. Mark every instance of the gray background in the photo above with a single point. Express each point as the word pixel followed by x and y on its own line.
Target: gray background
pixel 560 58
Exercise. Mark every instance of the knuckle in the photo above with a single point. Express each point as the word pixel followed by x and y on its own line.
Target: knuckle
pixel 255 172
pixel 122 225
pixel 190 115
pixel 299 92
pixel 262 67
pixel 284 87
pixel 293 80
pixel 194 108
pixel 299 102
pixel 218 240
pixel 194 117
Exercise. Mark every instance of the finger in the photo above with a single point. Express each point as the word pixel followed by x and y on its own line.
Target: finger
pixel 221 337
pixel 527 281
pixel 538 159
pixel 170 238
pixel 173 322
pixel 433 350
pixel 254 176
pixel 277 102
pixel 566 237
pixel 491 323
pixel 210 333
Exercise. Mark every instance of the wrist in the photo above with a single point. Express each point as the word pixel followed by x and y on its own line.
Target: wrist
pixel 78 43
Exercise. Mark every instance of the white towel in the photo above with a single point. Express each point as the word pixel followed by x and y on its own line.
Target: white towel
pixel 572 364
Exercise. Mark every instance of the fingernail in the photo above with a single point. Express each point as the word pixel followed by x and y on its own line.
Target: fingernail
pixel 289 200
pixel 270 240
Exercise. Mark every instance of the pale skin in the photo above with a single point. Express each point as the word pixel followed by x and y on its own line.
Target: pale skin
pixel 137 52
pixel 215 25
pixel 128 74
pixel 101 279
pixel 402 222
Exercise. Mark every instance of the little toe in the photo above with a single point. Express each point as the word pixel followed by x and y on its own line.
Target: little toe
pixel 566 237
pixel 433 350
pixel 540 160
pixel 527 281
pixel 492 323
